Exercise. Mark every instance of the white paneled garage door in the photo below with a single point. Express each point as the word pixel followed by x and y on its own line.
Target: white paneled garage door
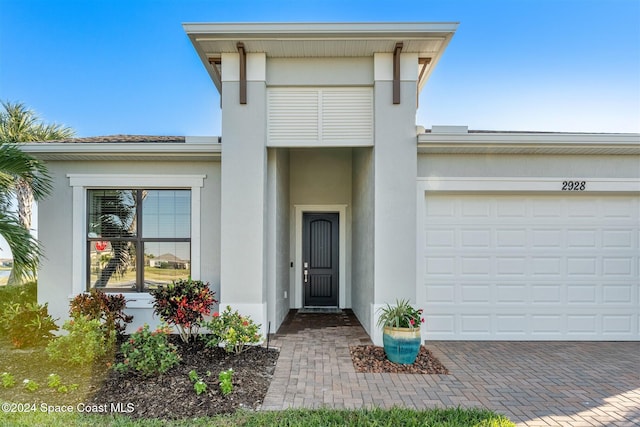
pixel 531 267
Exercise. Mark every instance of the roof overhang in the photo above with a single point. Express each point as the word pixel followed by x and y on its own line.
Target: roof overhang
pixel 124 151
pixel 529 143
pixel 317 40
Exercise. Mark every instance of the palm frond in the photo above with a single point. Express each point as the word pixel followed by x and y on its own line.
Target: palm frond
pixel 21 166
pixel 24 247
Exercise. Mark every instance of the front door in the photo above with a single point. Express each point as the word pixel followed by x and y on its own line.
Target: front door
pixel 320 259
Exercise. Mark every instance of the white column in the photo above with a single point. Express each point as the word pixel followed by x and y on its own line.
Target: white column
pixel 395 165
pixel 244 174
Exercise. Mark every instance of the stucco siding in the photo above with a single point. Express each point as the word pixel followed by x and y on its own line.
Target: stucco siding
pixel 362 248
pixel 496 165
pixel 319 71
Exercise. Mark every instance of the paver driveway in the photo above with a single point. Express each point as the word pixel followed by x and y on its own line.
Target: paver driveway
pixel 533 383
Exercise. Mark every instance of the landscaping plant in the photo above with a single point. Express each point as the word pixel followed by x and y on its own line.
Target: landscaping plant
pixel 183 303
pixel 109 309
pixel 27 324
pixel 85 342
pixel 225 377
pixel 148 352
pixel 7 380
pixel 55 382
pixel 30 385
pixel 233 331
pixel 401 315
pixel 198 385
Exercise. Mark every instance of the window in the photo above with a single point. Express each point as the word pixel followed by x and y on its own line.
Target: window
pixel 137 239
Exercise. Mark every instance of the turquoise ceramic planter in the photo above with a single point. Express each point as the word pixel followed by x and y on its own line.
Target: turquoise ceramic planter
pixel 401 345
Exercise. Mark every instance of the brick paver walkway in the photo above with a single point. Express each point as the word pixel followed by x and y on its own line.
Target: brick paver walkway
pixel 533 383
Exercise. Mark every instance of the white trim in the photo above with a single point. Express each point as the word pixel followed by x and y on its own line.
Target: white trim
pixel 198 148
pixel 519 184
pixel 81 182
pixel 296 292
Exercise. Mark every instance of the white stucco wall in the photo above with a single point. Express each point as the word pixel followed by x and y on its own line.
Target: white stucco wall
pixel 363 231
pixel 243 197
pixel 278 256
pixel 56 228
pixel 395 162
pixel 319 71
pixel 529 165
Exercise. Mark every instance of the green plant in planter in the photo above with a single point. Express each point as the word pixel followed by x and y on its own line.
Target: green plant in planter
pixel 401 315
pixel 401 333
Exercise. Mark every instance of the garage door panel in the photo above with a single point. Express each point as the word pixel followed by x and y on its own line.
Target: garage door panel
pixel 617 266
pixel 536 267
pixel 617 239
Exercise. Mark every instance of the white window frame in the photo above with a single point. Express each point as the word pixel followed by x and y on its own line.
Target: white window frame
pixel 80 183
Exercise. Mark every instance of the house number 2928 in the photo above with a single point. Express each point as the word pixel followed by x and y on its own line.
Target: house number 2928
pixel 573 185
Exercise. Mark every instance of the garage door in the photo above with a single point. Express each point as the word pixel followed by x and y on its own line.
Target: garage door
pixel 533 267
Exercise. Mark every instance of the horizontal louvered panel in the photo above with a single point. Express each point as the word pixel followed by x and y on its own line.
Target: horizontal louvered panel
pixel 319 115
pixel 293 115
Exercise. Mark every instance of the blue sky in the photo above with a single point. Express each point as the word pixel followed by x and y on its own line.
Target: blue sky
pixel 108 67
pixel 111 67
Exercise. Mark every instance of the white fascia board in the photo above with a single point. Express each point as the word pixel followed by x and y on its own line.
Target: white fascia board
pixel 288 31
pixel 539 142
pixel 178 150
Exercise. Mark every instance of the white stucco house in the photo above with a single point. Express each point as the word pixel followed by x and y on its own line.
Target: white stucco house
pixel 322 191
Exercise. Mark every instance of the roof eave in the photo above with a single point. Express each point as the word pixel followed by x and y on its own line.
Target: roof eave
pixel 124 151
pixel 529 143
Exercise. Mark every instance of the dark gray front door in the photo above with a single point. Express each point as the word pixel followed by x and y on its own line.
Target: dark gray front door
pixel 320 259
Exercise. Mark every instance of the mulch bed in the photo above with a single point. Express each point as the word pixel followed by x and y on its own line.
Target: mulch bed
pixel 371 359
pixel 172 396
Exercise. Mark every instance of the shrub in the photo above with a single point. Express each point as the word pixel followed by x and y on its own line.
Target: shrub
pixel 183 303
pixel 27 324
pixel 233 331
pixel 85 343
pixel 106 308
pixel 149 353
pixel 20 294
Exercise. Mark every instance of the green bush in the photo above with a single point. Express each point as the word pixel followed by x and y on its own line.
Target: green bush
pixel 85 343
pixel 106 308
pixel 149 353
pixel 27 324
pixel 233 331
pixel 183 303
pixel 18 294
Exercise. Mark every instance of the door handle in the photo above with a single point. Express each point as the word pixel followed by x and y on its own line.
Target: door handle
pixel 306 272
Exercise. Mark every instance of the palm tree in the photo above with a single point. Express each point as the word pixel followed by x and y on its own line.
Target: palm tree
pixel 15 166
pixel 21 124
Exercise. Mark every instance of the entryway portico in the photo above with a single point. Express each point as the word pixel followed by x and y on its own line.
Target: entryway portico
pixel 318 119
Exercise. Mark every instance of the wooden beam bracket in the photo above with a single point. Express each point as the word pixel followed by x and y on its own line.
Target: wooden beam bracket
pixel 243 73
pixel 396 72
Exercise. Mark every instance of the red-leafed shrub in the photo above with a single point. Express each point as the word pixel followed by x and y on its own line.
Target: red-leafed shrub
pixel 108 309
pixel 183 303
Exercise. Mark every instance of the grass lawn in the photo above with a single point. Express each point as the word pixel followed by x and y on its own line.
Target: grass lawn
pixel 292 417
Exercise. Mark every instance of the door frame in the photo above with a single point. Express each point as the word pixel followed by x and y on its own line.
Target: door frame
pixel 297 289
